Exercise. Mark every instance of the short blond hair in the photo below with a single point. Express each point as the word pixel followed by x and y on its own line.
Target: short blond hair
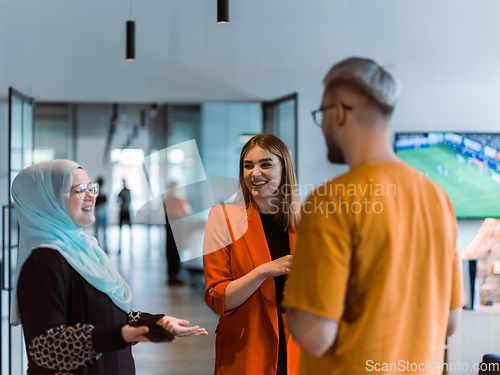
pixel 368 78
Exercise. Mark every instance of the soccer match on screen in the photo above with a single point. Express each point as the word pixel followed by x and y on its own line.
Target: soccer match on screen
pixel 465 165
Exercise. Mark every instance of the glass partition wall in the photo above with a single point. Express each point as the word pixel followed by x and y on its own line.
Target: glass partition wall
pixel 96 135
pixel 20 156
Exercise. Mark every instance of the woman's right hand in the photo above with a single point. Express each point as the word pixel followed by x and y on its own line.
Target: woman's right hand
pixel 239 290
pixel 179 327
pixel 278 267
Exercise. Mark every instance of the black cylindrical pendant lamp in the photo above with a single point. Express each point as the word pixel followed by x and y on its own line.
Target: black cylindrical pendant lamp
pixel 130 40
pixel 222 11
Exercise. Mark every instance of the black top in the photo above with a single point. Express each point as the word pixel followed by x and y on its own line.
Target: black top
pixel 124 195
pixel 279 246
pixel 100 199
pixel 63 314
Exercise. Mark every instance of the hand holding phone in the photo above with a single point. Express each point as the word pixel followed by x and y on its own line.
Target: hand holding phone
pixel 156 332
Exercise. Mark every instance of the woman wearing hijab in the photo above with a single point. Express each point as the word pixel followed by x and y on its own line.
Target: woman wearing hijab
pixel 74 306
pixel 247 254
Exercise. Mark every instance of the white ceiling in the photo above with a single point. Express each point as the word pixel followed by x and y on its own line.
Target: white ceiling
pixel 75 50
pixel 445 52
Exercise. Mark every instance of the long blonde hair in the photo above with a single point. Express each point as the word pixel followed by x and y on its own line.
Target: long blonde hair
pixel 288 216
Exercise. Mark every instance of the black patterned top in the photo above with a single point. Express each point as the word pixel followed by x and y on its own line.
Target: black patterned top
pixel 69 326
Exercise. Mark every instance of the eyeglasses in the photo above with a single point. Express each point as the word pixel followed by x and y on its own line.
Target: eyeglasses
pixel 89 188
pixel 318 114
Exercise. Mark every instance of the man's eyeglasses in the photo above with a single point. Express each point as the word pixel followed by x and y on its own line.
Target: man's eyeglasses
pixel 318 114
pixel 87 188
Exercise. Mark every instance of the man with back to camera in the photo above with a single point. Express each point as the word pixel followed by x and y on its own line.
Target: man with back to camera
pixel 376 283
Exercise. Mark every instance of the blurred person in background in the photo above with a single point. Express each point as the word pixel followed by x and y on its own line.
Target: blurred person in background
pixel 175 208
pixel 101 217
pixel 124 200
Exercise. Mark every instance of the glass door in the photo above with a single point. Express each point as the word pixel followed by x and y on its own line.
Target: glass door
pixel 12 353
pixel 280 119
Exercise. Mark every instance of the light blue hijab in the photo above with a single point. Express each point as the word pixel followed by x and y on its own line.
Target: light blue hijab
pixel 41 199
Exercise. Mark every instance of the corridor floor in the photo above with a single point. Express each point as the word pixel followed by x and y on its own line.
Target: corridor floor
pixel 143 265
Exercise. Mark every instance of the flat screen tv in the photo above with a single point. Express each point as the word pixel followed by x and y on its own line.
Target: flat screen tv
pixel 465 165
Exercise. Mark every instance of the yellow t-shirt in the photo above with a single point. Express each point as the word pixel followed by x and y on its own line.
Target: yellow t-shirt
pixel 376 252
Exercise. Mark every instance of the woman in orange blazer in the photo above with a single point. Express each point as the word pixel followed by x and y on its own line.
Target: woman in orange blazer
pixel 247 254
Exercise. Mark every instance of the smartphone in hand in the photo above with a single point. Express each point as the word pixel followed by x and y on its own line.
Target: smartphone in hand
pixel 156 332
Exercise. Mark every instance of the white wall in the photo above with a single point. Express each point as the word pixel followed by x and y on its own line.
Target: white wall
pixel 90 157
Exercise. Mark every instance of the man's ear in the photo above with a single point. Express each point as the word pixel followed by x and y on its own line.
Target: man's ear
pixel 341 114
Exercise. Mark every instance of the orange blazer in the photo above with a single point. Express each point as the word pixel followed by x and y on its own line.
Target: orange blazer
pixel 247 336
